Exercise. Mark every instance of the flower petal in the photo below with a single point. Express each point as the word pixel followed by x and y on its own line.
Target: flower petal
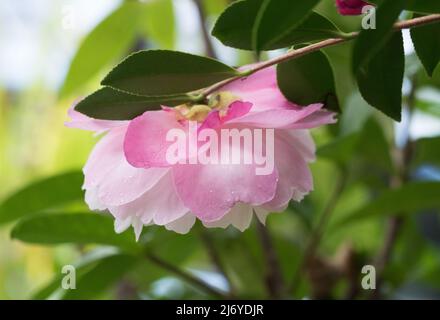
pixel 81 121
pixel 211 190
pixel 146 142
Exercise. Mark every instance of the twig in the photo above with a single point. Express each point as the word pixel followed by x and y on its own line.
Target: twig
pixel 317 234
pixel 395 223
pixel 312 48
pixel 186 276
pixel 216 260
pixel 274 275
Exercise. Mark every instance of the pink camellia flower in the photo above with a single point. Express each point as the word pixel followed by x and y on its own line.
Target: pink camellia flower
pixel 351 7
pixel 129 173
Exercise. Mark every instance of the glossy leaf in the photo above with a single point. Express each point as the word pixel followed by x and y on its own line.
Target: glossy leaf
pixel 380 79
pixel 424 6
pixel 370 41
pixel 426 41
pixel 266 25
pixel 163 72
pixel 111 104
pixel 108 42
pixel 276 18
pixel 82 228
pixel 308 79
pixel 41 195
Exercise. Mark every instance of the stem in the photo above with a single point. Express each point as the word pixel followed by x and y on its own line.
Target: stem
pixel 216 260
pixel 196 282
pixel 209 48
pixel 395 223
pixel 293 54
pixel 274 276
pixel 318 232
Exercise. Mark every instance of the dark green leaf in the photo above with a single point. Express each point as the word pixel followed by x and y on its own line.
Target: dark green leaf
pixel 106 43
pixel 276 18
pixel 370 41
pixel 111 104
pixel 103 275
pixel 308 79
pixel 163 72
pixel 44 194
pixel 405 200
pixel 380 79
pixel 426 41
pixel 83 228
pixel 315 27
pixel 427 6
pixel 269 25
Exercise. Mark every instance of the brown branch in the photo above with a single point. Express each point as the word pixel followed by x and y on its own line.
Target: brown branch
pixel 216 260
pixel 317 233
pixel 395 223
pixel 274 276
pixel 293 54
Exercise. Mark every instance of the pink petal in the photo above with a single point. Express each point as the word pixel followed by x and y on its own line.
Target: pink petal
pixel 81 121
pixel 295 178
pixel 210 191
pixel 116 181
pixel 351 7
pixel 160 204
pixel 145 143
pixel 285 118
pixel 236 110
pixel 261 89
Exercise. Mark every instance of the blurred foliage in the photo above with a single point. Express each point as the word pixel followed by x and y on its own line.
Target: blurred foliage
pixel 42 202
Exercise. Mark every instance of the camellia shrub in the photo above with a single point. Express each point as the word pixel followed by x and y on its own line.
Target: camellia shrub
pixel 193 155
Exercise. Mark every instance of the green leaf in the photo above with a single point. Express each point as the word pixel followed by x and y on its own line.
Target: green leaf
pixel 82 228
pixel 102 276
pixel 103 45
pixel 44 194
pixel 409 198
pixel 276 18
pixel 427 6
pixel 308 79
pixel 378 61
pixel 158 22
pixel 380 79
pixel 163 72
pixel 315 27
pixel 111 104
pixel 340 149
pixel 82 266
pixel 369 146
pixel 427 152
pixel 269 25
pixel 426 41
pixel 370 41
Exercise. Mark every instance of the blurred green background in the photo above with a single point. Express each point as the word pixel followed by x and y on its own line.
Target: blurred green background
pixel 53 52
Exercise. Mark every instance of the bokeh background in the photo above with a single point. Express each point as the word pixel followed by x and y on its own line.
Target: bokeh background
pixel 53 52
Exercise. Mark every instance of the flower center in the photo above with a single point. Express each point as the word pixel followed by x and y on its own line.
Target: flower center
pixel 198 112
